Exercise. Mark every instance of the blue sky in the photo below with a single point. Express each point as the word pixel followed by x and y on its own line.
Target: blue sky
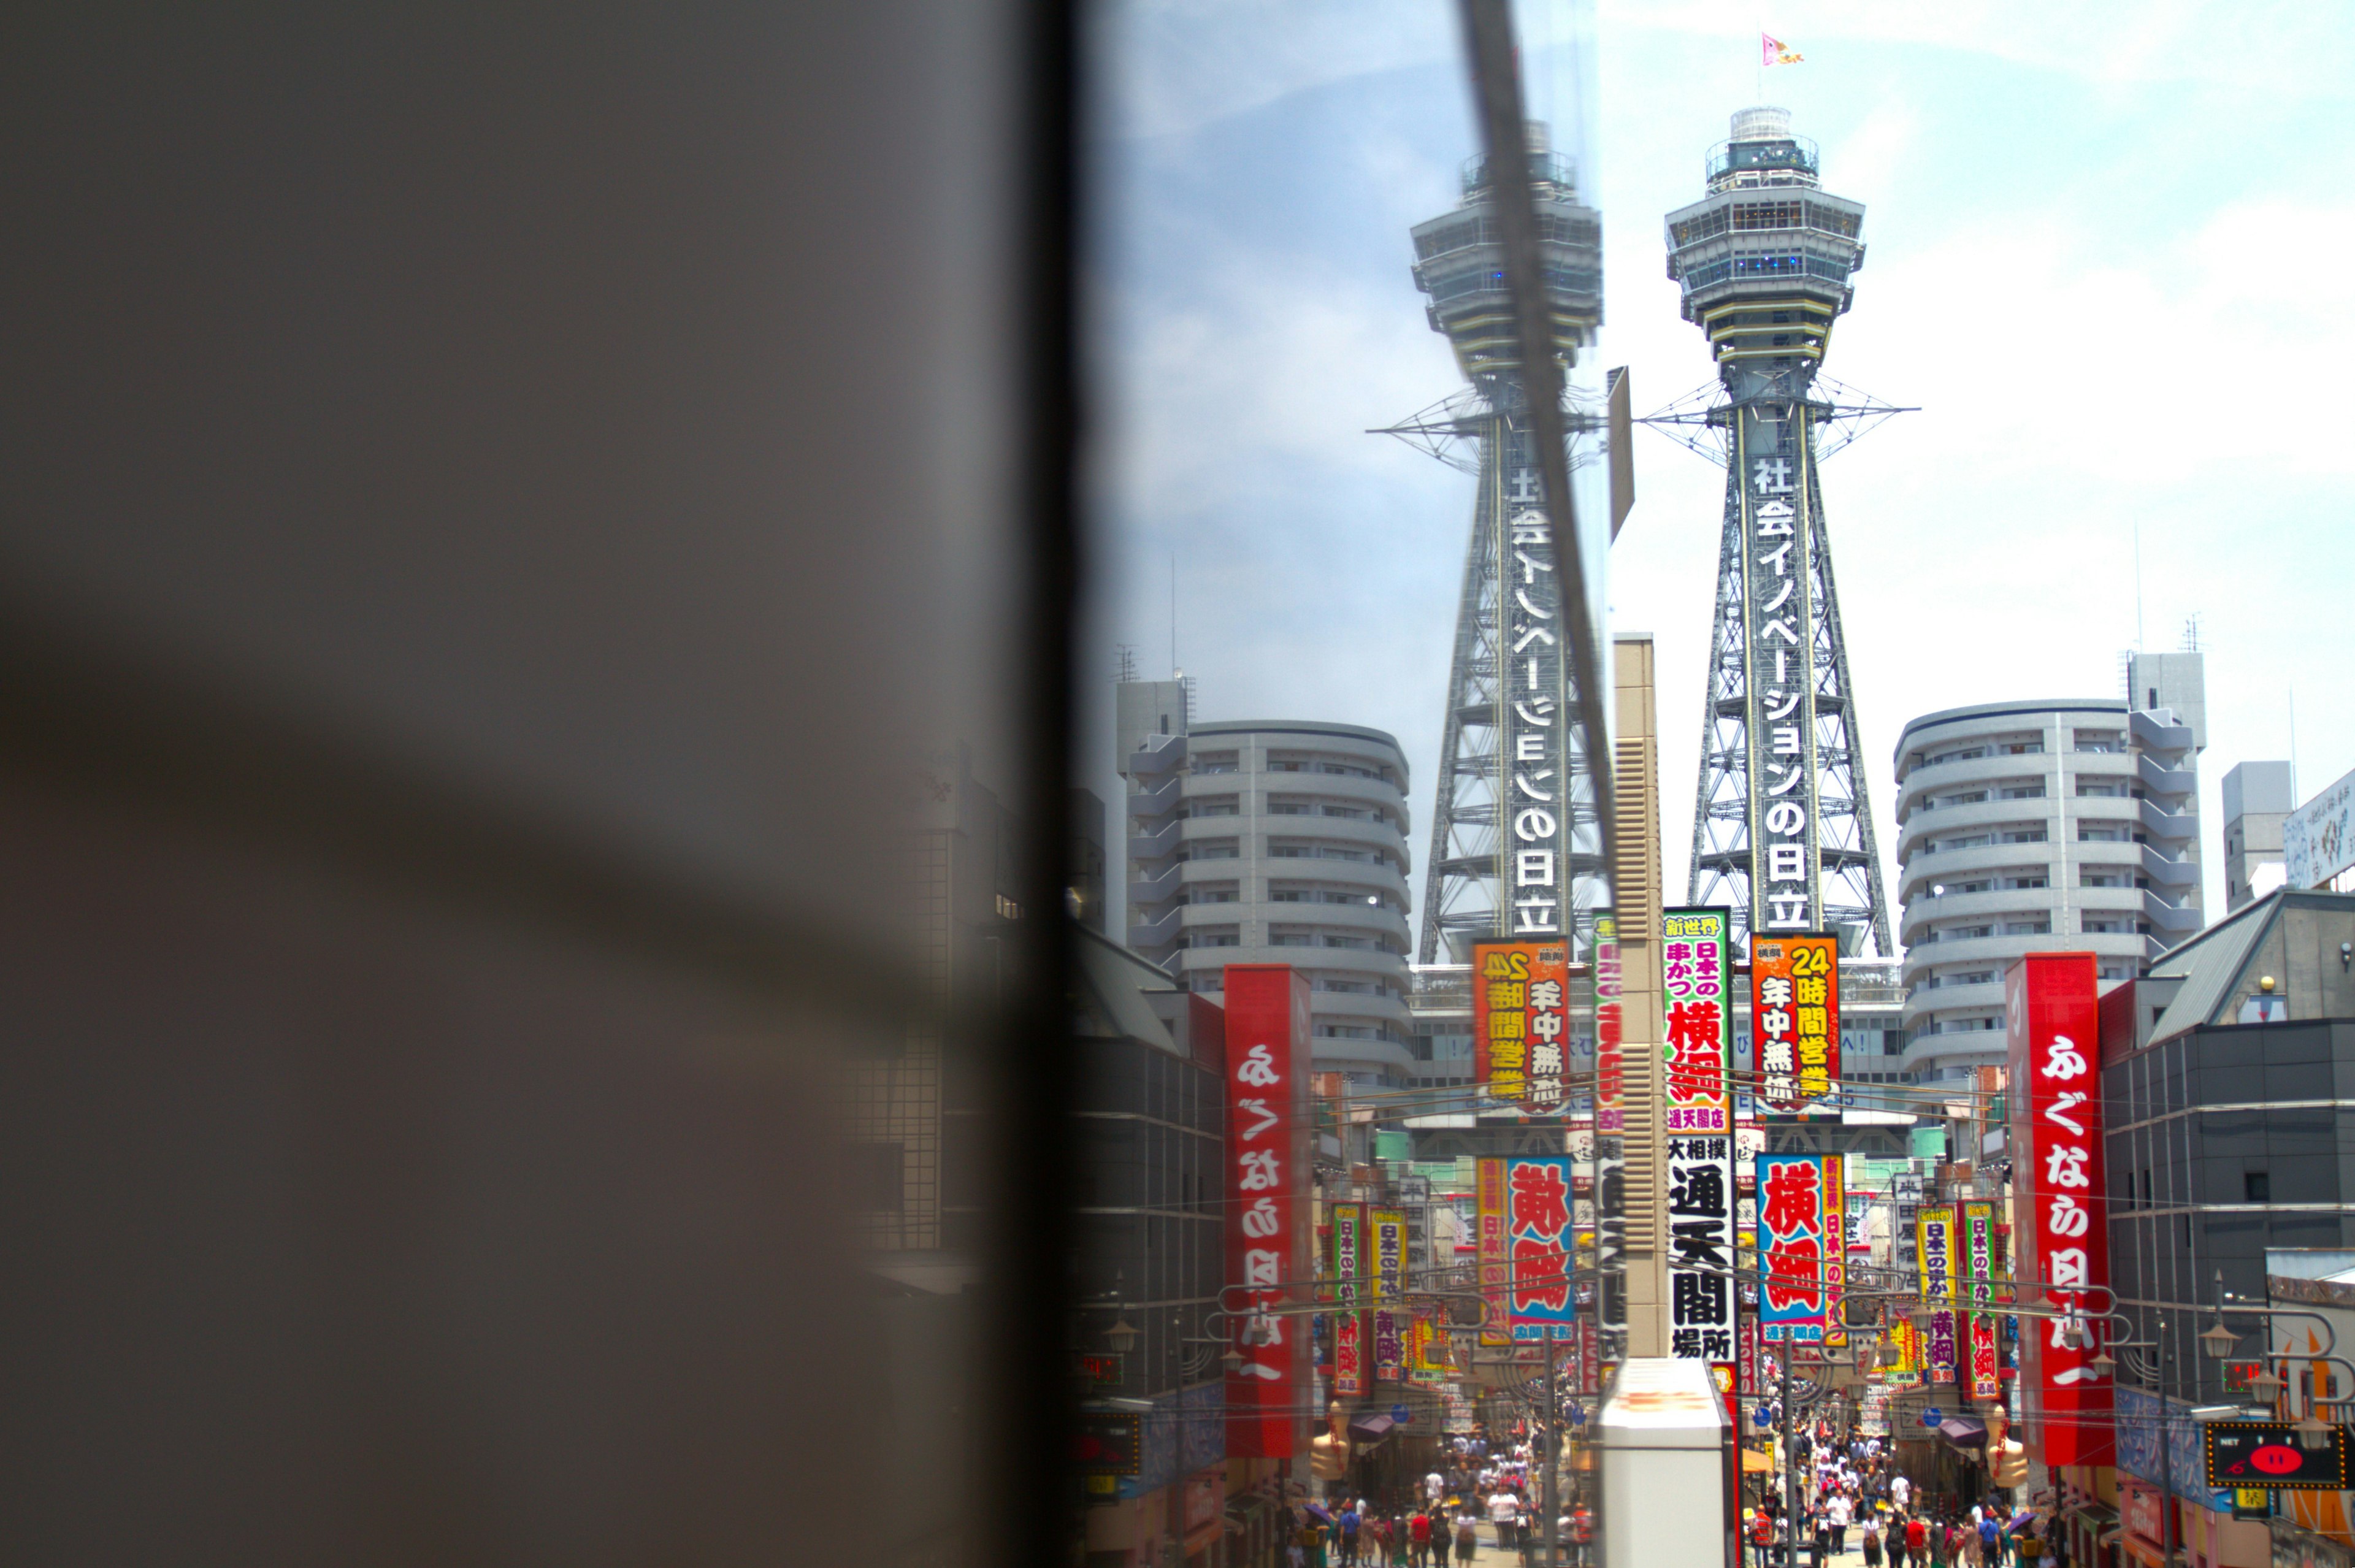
pixel 2107 248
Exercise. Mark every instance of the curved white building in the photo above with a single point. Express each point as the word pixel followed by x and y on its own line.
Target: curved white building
pixel 1275 842
pixel 2027 827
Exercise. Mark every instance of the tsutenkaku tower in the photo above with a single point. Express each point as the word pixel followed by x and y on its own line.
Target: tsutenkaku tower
pixel 1515 847
pixel 1782 827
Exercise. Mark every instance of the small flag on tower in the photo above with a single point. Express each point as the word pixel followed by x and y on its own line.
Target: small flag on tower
pixel 1773 51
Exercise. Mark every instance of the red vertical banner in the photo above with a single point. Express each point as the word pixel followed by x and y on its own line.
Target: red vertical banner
pixel 2052 1012
pixel 1268 1225
pixel 1496 1328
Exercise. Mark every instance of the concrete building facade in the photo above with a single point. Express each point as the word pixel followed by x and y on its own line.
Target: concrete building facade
pixel 1275 842
pixel 2258 797
pixel 2025 827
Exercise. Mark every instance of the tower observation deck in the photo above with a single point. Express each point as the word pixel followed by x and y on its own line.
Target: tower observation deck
pixel 1782 826
pixel 1515 844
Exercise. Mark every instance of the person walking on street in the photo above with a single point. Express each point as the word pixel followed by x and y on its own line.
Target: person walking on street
pixel 1917 1541
pixel 1418 1530
pixel 1871 1544
pixel 1893 1541
pixel 1349 1522
pixel 1761 1534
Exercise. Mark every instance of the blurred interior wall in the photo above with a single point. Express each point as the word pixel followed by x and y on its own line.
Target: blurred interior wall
pixel 495 500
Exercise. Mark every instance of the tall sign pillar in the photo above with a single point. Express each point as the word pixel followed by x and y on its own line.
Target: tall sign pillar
pixel 1269 1227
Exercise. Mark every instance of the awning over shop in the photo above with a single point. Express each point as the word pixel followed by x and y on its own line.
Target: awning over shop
pixel 1754 1463
pixel 1964 1431
pixel 1372 1428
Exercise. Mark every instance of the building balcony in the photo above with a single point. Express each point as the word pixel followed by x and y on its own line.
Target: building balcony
pixel 1341 920
pixel 1156 801
pixel 1934 1000
pixel 2172 872
pixel 2158 780
pixel 2175 826
pixel 1159 756
pixel 2160 731
pixel 1923 870
pixel 1936 778
pixel 1990 817
pixel 1994 906
pixel 1157 845
pixel 1390 884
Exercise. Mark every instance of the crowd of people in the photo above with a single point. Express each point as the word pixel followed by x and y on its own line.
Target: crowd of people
pixel 1855 1486
pixel 1481 1487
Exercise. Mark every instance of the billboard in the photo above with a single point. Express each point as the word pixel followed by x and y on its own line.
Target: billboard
pixel 1521 1020
pixel 1386 1230
pixel 1935 1255
pixel 1495 1326
pixel 2319 838
pixel 1795 1020
pixel 1696 968
pixel 1538 1236
pixel 1268 1220
pixel 1982 1363
pixel 1794 1246
pixel 2052 1018
pixel 1350 1379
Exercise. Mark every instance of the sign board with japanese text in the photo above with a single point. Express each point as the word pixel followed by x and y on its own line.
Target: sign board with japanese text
pixel 1538 1238
pixel 1269 1239
pixel 1935 1258
pixel 1110 1444
pixel 2052 1013
pixel 1610 1135
pixel 2319 838
pixel 1697 975
pixel 1982 1359
pixel 1794 1247
pixel 1520 1021
pixel 1532 713
pixel 1386 1232
pixel 1795 1020
pixel 1778 641
pixel 1495 1328
pixel 1349 1224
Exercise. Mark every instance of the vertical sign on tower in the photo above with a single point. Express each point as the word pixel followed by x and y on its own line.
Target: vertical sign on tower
pixel 1934 1252
pixel 1521 1020
pixel 1696 968
pixel 1538 1235
pixel 1836 1233
pixel 1388 1230
pixel 1778 615
pixel 1496 1323
pixel 1984 1381
pixel 1350 1379
pixel 1533 785
pixel 1268 1223
pixel 2052 1014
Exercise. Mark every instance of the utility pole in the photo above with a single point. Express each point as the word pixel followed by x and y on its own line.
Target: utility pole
pixel 1790 1465
pixel 1552 1457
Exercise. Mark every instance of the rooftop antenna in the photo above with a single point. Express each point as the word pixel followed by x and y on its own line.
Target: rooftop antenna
pixel 2292 744
pixel 2137 547
pixel 1127 652
pixel 2191 632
